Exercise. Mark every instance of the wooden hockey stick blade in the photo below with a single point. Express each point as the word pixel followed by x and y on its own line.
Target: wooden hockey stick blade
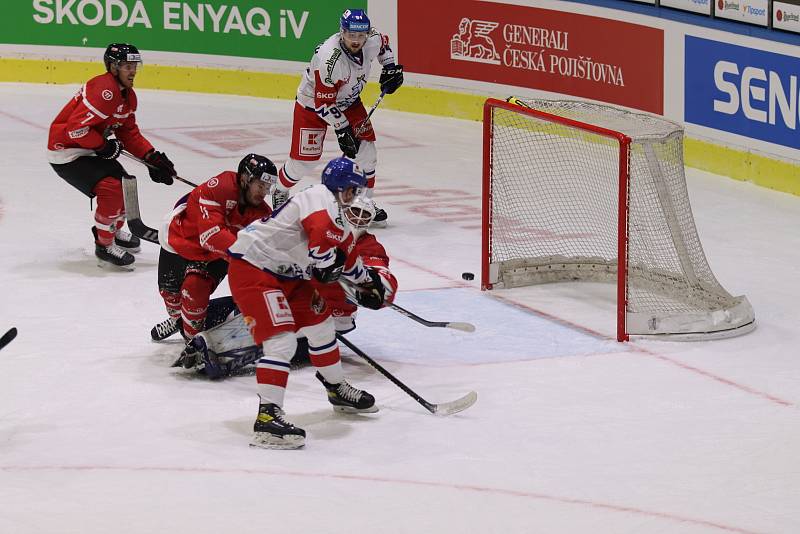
pixel 458 405
pixel 8 337
pixel 447 408
pixel 130 195
pixel 464 327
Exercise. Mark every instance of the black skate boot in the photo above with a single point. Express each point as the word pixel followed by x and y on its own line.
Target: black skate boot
pixel 165 328
pixel 346 398
pixel 380 219
pixel 272 431
pixel 112 255
pixel 128 241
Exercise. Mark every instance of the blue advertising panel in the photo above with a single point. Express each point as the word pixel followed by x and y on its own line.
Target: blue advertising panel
pixel 742 90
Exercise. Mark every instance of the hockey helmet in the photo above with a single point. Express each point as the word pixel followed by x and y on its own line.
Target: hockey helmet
pixel 342 173
pixel 116 53
pixel 254 166
pixel 355 20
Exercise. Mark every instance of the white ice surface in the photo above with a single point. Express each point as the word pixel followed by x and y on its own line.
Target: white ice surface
pixel 572 432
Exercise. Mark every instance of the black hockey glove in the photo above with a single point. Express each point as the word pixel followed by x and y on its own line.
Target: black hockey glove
pixel 391 78
pixel 373 293
pixel 110 150
pixel 164 169
pixel 348 142
pixel 332 272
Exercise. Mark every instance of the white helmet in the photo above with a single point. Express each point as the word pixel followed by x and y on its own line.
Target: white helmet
pixel 359 213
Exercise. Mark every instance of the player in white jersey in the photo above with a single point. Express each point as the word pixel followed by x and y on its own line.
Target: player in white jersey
pixel 273 262
pixel 330 95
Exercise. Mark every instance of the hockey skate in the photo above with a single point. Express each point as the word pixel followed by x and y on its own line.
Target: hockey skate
pixel 112 255
pixel 127 240
pixel 165 328
pixel 380 219
pixel 345 398
pixel 272 431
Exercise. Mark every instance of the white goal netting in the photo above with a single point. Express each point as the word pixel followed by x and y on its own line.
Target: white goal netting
pixel 554 212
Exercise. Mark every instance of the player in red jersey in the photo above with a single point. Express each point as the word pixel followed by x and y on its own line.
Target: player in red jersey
pixel 196 236
pixel 226 348
pixel 81 152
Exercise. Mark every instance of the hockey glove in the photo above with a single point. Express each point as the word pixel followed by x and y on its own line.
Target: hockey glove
pixel 391 78
pixel 110 150
pixel 162 169
pixel 332 272
pixel 373 293
pixel 348 142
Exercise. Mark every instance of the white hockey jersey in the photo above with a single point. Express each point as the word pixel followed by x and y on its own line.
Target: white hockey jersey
pixel 303 233
pixel 335 78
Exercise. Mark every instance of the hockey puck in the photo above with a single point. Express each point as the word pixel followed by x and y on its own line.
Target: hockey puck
pixel 467 276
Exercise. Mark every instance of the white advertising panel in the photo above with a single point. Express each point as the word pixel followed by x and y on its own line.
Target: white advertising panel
pixel 786 16
pixel 695 6
pixel 750 11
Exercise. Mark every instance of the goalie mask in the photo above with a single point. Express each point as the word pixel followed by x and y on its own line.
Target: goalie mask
pixel 359 213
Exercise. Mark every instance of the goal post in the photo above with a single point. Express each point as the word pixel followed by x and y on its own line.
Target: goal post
pixel 579 191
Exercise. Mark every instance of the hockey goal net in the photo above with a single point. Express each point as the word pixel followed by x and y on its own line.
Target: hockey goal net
pixel 580 191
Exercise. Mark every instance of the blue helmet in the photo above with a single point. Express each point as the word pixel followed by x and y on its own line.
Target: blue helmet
pixel 355 20
pixel 341 173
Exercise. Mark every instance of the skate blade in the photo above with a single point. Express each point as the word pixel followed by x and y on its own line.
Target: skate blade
pixel 111 267
pixel 350 409
pixel 268 441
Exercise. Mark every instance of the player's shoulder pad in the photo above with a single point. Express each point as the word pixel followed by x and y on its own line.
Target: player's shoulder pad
pixel 103 91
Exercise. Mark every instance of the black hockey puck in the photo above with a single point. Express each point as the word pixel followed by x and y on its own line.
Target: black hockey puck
pixel 468 276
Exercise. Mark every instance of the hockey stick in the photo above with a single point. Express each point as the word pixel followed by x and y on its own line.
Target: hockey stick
pixel 464 327
pixel 143 162
pixel 363 125
pixel 445 408
pixel 130 194
pixel 8 337
pixel 350 289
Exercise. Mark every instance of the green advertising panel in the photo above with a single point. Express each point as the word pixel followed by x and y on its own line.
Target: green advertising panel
pixel 270 29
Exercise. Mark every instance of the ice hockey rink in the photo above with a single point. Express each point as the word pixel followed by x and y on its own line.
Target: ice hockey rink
pixel 572 432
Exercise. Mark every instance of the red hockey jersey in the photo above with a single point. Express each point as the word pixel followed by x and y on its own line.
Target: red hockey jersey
pixel 205 222
pixel 100 108
pixel 374 256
